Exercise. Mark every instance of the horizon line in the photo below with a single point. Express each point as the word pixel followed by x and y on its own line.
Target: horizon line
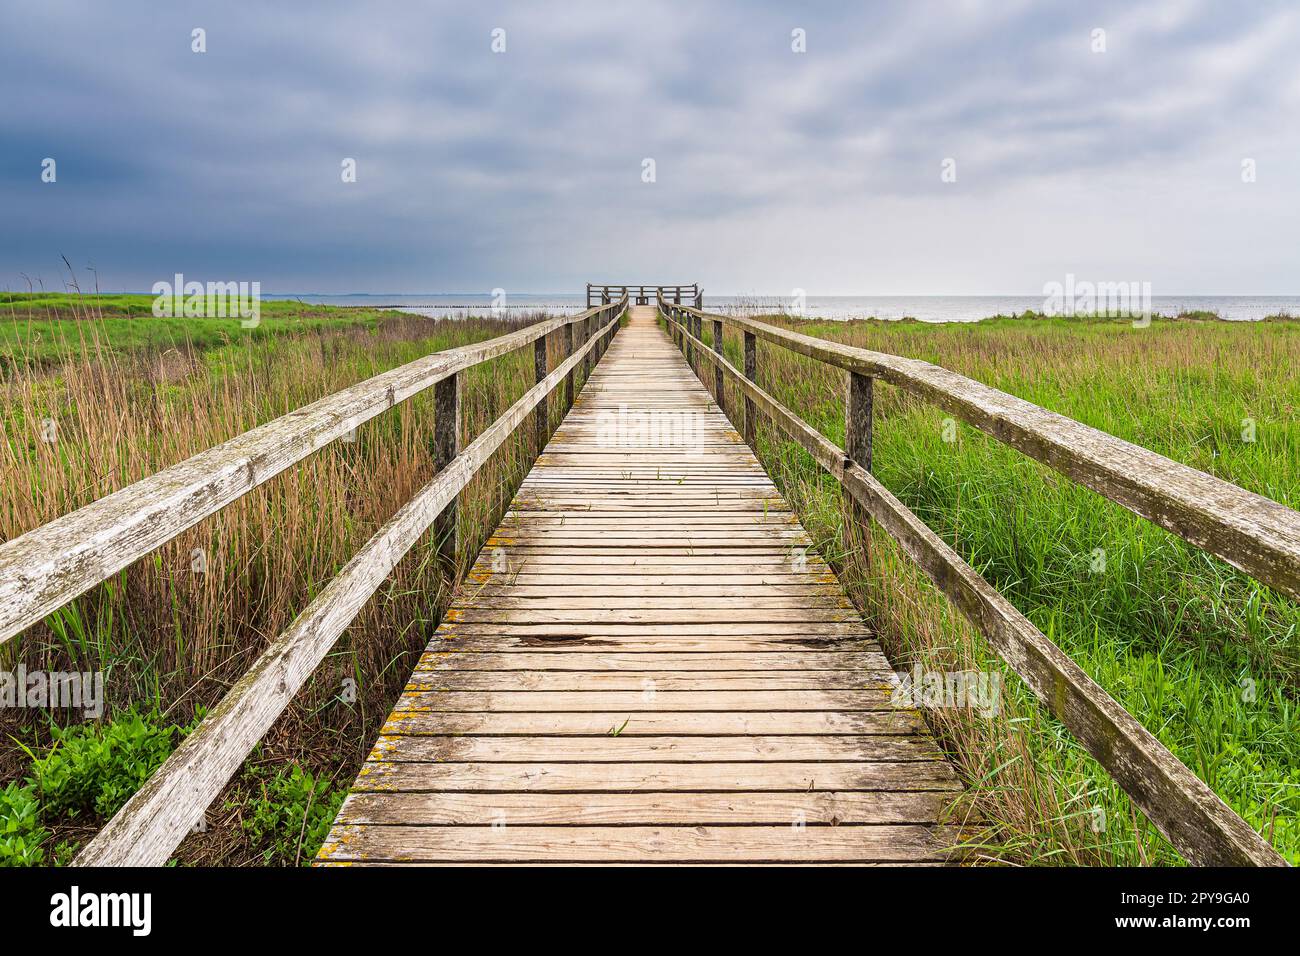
pixel 759 295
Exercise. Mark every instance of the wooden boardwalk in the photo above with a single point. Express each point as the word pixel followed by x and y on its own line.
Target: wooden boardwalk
pixel 647 665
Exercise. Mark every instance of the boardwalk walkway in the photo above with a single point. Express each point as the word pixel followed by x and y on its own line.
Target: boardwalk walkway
pixel 645 666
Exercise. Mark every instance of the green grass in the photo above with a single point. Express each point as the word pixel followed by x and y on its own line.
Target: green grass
pixel 1204 656
pixel 22 837
pixel 287 814
pixel 46 327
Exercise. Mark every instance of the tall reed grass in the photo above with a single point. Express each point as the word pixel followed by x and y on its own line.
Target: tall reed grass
pixel 173 633
pixel 1205 657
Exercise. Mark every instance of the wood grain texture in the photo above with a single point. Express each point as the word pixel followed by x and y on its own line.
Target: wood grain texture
pixel 646 654
pixel 505 843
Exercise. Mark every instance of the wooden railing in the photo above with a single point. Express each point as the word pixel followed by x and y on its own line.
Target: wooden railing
pixel 598 294
pixel 51 565
pixel 1253 533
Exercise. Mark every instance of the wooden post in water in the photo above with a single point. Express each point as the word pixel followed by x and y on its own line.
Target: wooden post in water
pixel 751 373
pixel 446 446
pixel 543 411
pixel 857 447
pixel 719 386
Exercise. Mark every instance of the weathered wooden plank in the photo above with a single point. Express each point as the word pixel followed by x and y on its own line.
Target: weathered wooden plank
pixel 640 522
pixel 632 595
pixel 666 700
pixel 641 723
pixel 748 644
pixel 777 556
pixel 493 614
pixel 847 629
pixel 574 578
pixel 808 660
pixel 721 542
pixel 647 681
pixel 505 599
pixel 718 777
pixel 508 844
pixel 645 809
pixel 400 748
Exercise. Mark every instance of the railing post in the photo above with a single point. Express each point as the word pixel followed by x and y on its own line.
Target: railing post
pixel 568 378
pixel 446 446
pixel 751 373
pixel 697 329
pixel 543 412
pixel 688 328
pixel 586 359
pixel 857 447
pixel 857 425
pixel 718 383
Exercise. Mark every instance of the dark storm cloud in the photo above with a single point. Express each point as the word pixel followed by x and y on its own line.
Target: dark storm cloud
pixel 774 169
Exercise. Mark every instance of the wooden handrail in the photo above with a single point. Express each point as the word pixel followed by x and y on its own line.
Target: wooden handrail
pixel 47 567
pixel 149 827
pixel 1252 533
pixel 1192 817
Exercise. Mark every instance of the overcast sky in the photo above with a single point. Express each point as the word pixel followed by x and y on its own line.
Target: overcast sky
pixel 774 169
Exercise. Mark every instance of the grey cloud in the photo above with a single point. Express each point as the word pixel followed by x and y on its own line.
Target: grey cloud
pixel 523 169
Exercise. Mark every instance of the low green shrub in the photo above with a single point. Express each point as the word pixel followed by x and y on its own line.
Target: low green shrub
pixel 291 815
pixel 21 833
pixel 94 768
